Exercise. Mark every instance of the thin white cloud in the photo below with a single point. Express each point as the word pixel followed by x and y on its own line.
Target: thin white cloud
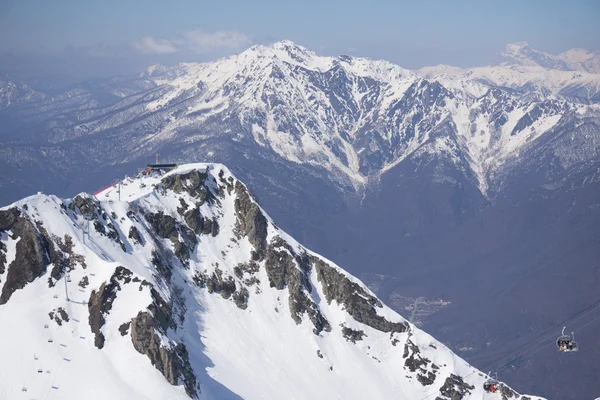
pixel 204 42
pixel 150 45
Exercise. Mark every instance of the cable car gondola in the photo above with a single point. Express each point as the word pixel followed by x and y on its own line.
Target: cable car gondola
pixel 566 342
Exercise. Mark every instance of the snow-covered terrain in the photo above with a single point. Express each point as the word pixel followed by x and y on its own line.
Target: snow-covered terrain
pixel 178 285
pixel 356 118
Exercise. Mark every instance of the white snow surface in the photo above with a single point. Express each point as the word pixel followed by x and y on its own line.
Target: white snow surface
pixel 253 353
pixel 337 112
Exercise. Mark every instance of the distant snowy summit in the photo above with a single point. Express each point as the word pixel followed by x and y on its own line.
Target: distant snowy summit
pixel 178 285
pixel 360 118
pixel 571 60
pixel 351 119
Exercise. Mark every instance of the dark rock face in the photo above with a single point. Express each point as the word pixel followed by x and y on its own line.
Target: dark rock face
pixel 164 225
pixel 161 311
pixel 33 252
pixel 251 269
pixel 68 260
pixel 124 328
pixel 280 264
pixel 352 335
pixel 100 302
pixel 112 233
pixel 3 251
pixel 358 303
pixel 192 183
pixel 224 285
pixel 59 316
pixel 416 363
pixel 164 268
pixel 84 282
pixel 135 235
pixel 168 228
pixel 507 393
pixel 250 221
pixel 427 379
pixel 201 225
pixel 85 205
pixel 455 388
pixel 173 362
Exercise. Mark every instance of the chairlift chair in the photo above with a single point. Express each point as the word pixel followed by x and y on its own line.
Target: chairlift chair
pixel 566 343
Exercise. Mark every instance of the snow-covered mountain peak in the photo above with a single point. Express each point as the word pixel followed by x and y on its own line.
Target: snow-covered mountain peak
pixel 522 54
pixel 180 286
pixel 515 49
pixel 571 60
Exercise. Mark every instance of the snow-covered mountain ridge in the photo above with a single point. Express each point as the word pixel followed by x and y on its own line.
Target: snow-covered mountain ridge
pixel 361 117
pixel 571 60
pixel 180 286
pixel 356 118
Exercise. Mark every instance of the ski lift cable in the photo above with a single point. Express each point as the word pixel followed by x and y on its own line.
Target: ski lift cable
pixel 552 334
pixel 578 316
pixel 525 356
pixel 545 333
pixel 528 355
pixel 588 323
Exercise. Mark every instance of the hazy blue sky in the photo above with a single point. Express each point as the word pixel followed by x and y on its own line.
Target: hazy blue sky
pixel 119 35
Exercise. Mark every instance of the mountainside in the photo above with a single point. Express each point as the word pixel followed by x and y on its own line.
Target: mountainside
pixel 444 189
pixel 356 118
pixel 185 288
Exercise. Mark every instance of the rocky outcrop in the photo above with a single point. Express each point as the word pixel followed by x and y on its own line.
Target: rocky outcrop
pixel 414 362
pixel 247 269
pixel 357 302
pixel 100 302
pixel 250 222
pixel 454 388
pixel 71 259
pixel 167 227
pixel 192 183
pixel 110 232
pixel 507 393
pixel 84 282
pixel 3 251
pixel 59 316
pixel 124 328
pixel 149 332
pixel 135 235
pixel 86 205
pixel 287 269
pixel 352 335
pixel 32 252
pixel 201 225
pixel 163 267
pixel 218 282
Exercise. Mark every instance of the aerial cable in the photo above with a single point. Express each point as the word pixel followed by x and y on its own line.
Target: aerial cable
pixel 588 323
pixel 552 334
pixel 577 317
pixel 557 326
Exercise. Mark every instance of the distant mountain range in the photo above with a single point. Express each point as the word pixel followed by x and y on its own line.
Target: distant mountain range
pixel 467 186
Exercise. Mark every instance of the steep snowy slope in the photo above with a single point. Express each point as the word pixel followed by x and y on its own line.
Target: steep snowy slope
pixel 179 285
